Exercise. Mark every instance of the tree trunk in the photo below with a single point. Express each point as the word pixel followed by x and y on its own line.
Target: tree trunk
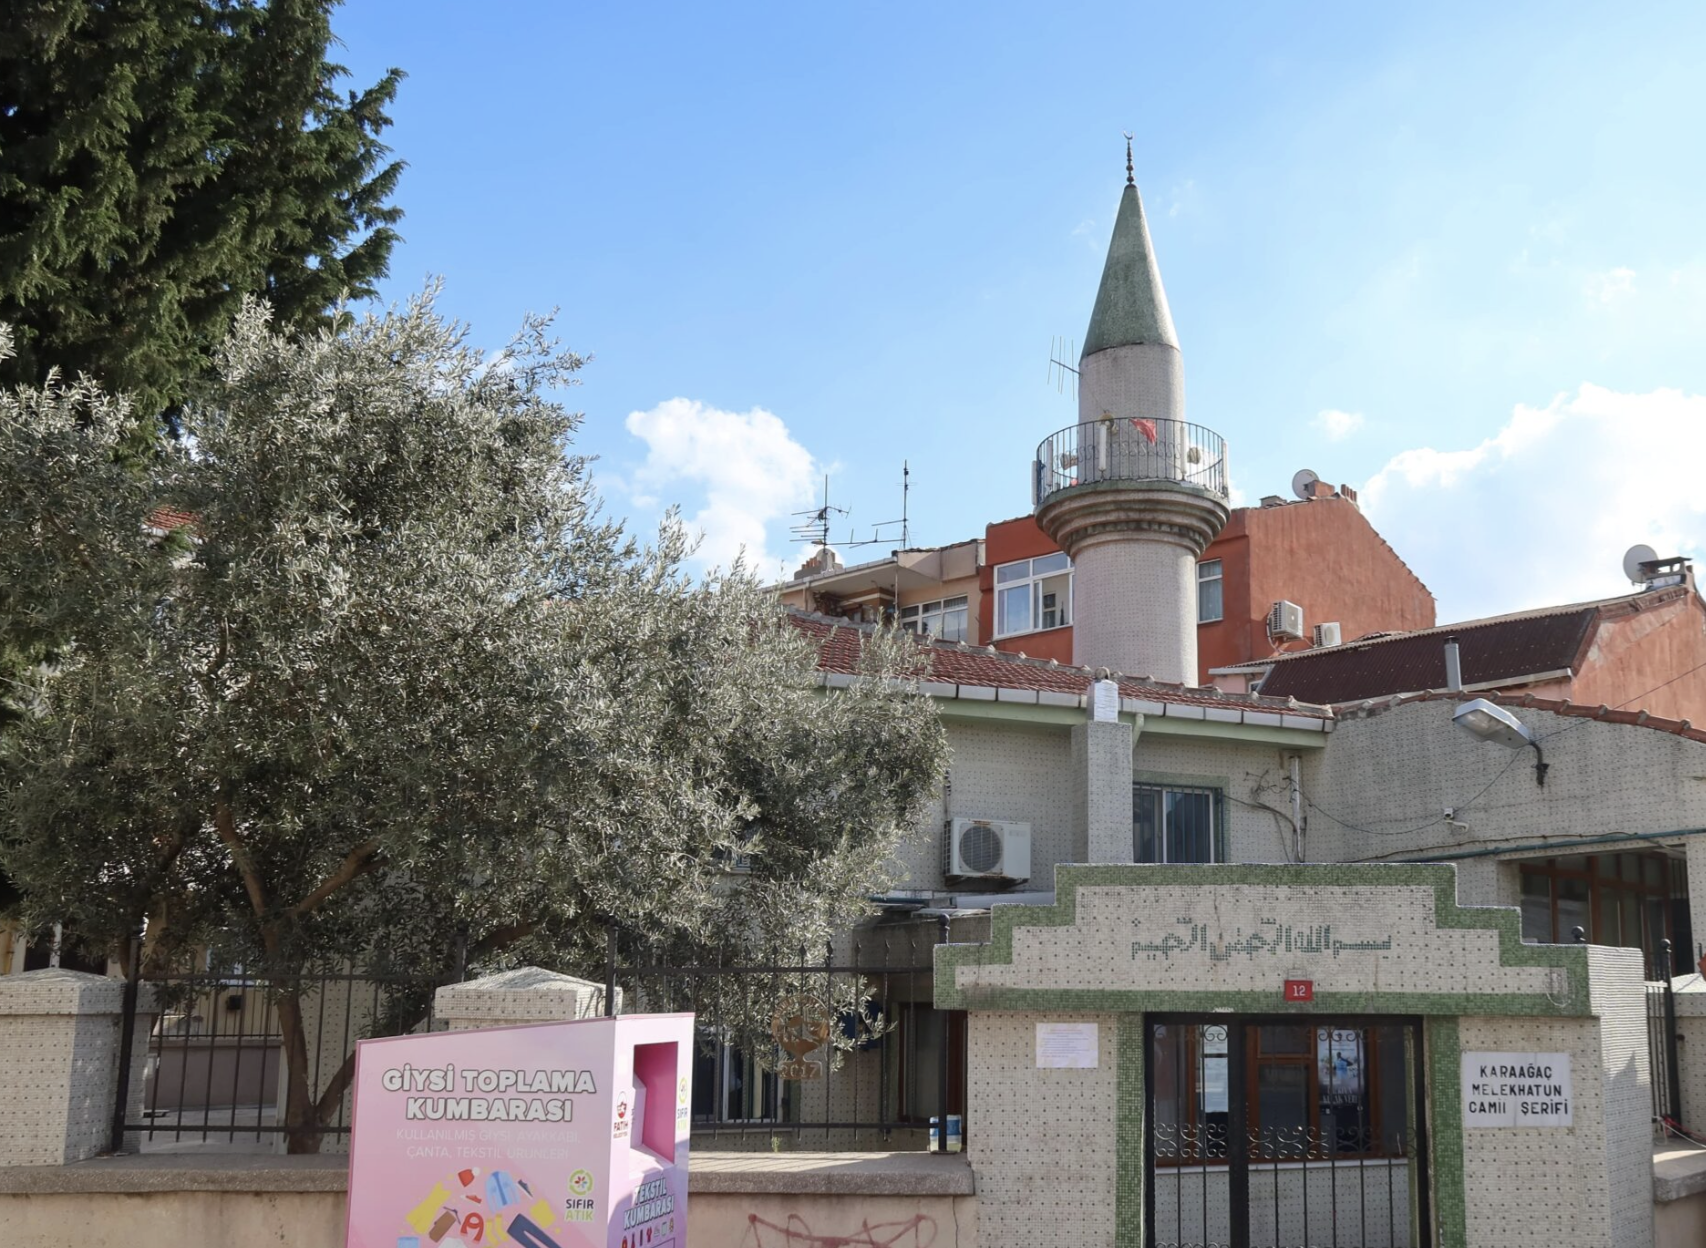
pixel 301 1116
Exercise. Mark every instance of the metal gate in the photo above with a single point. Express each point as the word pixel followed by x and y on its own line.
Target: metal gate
pixel 1290 1132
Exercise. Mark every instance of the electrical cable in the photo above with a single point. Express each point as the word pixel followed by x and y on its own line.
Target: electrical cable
pixel 1515 758
pixel 1345 823
pixel 1584 721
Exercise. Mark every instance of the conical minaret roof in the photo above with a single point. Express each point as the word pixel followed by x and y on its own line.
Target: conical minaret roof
pixel 1131 306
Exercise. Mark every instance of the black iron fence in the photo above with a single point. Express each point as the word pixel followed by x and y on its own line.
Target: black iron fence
pixel 1662 1053
pixel 235 1061
pixel 838 1048
pixel 1135 450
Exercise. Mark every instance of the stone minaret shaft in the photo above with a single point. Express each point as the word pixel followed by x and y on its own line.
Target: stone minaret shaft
pixel 1136 494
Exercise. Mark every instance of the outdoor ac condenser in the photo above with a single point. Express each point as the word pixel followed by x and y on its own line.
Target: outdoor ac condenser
pixel 1327 634
pixel 987 849
pixel 1285 619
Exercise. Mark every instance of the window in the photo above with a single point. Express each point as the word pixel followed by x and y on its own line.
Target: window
pixel 1210 601
pixel 945 619
pixel 1631 899
pixel 729 1086
pixel 1033 594
pixel 1314 1090
pixel 1177 824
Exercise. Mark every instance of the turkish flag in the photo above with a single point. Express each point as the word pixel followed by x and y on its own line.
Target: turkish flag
pixel 1145 427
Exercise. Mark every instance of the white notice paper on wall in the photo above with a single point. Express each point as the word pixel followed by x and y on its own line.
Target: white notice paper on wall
pixel 1067 1045
pixel 1105 701
pixel 1516 1090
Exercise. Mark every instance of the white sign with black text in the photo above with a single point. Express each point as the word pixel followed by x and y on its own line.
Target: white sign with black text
pixel 1516 1090
pixel 1069 1046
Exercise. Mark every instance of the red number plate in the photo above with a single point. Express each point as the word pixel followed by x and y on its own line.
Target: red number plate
pixel 1300 990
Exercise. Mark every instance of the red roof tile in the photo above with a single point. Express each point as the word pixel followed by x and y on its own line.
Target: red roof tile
pixel 168 518
pixel 1555 706
pixel 839 643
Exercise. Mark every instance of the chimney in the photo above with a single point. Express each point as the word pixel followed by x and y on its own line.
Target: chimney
pixel 1453 667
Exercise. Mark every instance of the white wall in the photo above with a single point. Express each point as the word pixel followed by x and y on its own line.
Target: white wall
pixel 1000 771
pixel 1258 826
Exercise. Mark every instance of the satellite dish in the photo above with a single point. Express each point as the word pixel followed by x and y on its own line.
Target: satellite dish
pixel 1633 558
pixel 1303 483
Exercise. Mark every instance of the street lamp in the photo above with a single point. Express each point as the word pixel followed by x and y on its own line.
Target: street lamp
pixel 1487 721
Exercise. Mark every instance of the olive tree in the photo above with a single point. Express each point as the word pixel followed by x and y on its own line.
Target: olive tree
pixel 397 694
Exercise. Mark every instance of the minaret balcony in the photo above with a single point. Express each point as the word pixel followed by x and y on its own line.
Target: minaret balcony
pixel 1125 451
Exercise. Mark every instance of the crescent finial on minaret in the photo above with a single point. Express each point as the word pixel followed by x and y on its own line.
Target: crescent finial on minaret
pixel 1130 180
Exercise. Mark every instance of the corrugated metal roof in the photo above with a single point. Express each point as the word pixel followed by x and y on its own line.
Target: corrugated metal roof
pixel 1501 649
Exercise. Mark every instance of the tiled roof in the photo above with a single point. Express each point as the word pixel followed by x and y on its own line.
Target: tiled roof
pixel 1555 706
pixel 970 667
pixel 165 519
pixel 1500 649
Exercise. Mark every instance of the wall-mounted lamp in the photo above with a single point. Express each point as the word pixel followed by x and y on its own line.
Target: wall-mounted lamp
pixel 1488 721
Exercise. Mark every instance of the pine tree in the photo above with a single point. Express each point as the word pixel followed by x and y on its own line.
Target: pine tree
pixel 162 159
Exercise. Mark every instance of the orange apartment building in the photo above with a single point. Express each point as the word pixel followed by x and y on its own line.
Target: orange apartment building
pixel 1013 588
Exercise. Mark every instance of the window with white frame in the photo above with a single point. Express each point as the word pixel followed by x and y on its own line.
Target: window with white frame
pixel 1210 601
pixel 1033 594
pixel 1171 823
pixel 945 619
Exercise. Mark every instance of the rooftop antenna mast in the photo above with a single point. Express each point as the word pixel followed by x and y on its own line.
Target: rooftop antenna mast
pixel 1062 350
pixel 878 537
pixel 813 525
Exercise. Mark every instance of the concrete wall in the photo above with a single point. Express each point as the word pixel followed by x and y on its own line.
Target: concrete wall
pixel 1660 649
pixel 1323 555
pixel 172 1217
pixel 1255 780
pixel 1000 771
pixel 1391 774
pixel 1041 1142
pixel 1134 608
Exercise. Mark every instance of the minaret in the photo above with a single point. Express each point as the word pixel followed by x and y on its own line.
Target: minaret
pixel 1132 492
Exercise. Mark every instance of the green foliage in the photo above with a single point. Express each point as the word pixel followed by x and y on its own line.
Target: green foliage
pixel 403 696
pixel 161 160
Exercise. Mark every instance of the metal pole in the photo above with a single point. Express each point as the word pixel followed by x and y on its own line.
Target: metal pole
pixel 126 1037
pixel 942 1071
pixel 610 969
pixel 1673 1072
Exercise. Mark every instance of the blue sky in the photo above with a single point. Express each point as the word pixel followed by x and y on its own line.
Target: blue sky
pixel 1452 256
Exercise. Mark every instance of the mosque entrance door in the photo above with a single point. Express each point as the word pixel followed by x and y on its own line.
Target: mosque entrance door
pixel 1294 1130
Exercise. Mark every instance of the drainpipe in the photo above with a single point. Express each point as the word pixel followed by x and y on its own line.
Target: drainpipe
pixel 1294 766
pixel 1453 667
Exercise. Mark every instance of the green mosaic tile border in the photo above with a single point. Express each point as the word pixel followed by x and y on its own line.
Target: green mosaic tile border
pixel 1128 1138
pixel 1442 878
pixel 1445 1130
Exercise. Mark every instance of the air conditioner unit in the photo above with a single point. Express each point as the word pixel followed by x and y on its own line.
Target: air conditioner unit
pixel 1285 619
pixel 986 849
pixel 1327 634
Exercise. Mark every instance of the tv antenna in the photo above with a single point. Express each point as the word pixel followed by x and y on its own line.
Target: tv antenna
pixel 1303 483
pixel 878 537
pixel 813 525
pixel 1060 350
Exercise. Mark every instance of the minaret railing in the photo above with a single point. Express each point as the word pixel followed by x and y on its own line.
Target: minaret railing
pixel 1122 449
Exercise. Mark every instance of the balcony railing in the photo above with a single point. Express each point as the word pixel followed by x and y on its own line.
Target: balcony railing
pixel 1127 450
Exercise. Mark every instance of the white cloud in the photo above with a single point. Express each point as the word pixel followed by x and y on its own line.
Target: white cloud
pixel 1182 198
pixel 1337 425
pixel 1541 512
pixel 1610 288
pixel 744 466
